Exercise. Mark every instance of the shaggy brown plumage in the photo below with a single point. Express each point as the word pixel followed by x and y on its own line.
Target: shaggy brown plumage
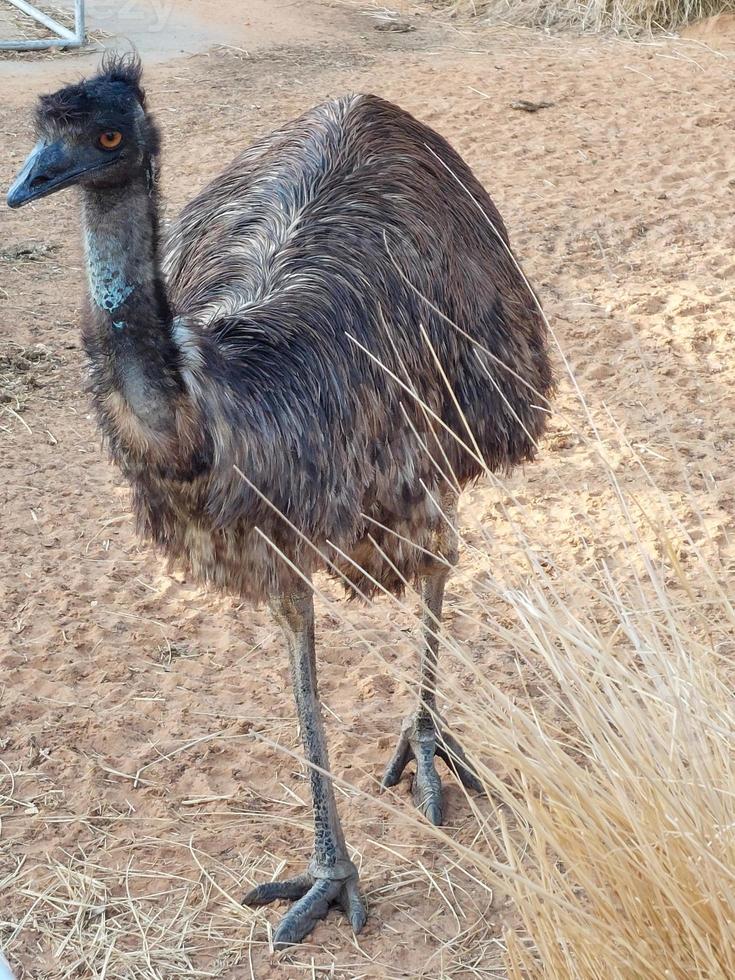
pixel 341 231
pixel 325 315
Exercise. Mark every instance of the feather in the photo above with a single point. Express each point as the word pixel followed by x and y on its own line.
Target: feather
pixel 338 315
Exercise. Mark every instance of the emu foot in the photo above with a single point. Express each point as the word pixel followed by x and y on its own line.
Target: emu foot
pixel 313 892
pixel 421 739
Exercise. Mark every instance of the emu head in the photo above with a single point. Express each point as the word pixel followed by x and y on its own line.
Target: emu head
pixel 95 134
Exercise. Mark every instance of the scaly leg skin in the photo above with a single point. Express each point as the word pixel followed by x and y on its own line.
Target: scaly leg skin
pixel 423 736
pixel 331 878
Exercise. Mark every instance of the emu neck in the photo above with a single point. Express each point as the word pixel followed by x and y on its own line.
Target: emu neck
pixel 128 334
pixel 121 246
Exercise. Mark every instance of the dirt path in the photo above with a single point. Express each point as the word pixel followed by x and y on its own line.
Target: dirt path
pixel 619 199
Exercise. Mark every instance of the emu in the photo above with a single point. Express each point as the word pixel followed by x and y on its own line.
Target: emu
pixel 332 343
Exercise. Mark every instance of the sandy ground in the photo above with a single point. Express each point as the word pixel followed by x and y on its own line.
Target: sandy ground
pixel 619 199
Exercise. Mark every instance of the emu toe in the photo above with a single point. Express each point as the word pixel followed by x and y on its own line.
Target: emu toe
pixel 314 892
pixel 422 738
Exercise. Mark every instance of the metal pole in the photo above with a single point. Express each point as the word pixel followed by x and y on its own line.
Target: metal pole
pixel 47 42
pixel 53 25
pixel 65 38
pixel 79 21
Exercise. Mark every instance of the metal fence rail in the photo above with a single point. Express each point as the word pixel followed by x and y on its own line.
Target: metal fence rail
pixel 64 37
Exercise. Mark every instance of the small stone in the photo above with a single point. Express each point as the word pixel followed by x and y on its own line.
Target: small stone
pixel 525 106
pixel 394 26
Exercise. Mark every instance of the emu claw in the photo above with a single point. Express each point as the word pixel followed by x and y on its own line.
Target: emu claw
pixel 315 891
pixel 421 739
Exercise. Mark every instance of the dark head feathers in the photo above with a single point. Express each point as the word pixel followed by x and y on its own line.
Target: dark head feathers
pixel 123 67
pixel 117 83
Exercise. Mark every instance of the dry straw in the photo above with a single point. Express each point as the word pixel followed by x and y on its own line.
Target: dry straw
pixel 617 789
pixel 624 16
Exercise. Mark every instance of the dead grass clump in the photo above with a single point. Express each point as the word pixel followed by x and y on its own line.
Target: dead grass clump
pixel 613 761
pixel 623 16
pixel 23 369
pixel 619 804
pixel 139 920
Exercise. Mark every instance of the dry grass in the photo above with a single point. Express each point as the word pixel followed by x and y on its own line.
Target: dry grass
pixel 23 369
pixel 623 16
pixel 618 805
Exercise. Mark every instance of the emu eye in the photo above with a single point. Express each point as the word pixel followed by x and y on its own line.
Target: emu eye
pixel 110 140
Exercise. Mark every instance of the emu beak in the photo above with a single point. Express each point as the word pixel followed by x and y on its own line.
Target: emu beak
pixel 49 167
pixel 45 168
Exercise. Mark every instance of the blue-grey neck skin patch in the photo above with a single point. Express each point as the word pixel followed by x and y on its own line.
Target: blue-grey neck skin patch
pixel 107 281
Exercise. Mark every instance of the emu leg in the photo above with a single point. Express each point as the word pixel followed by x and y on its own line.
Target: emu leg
pixel 422 735
pixel 331 878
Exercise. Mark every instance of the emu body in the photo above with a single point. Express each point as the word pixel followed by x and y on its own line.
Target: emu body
pixel 332 343
pixel 320 242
